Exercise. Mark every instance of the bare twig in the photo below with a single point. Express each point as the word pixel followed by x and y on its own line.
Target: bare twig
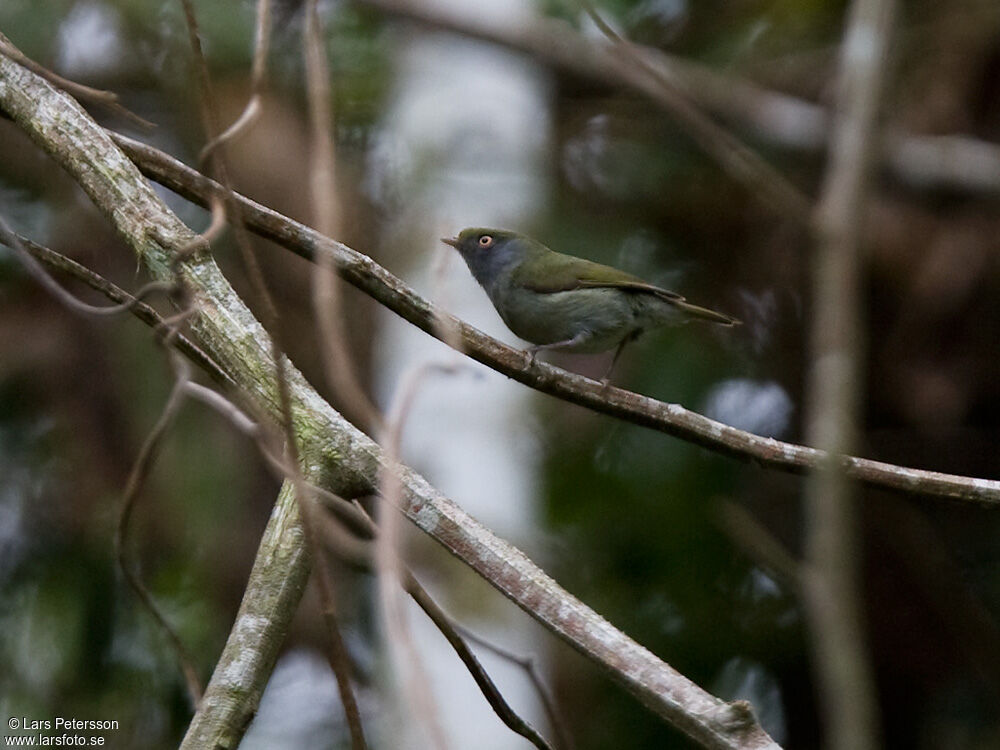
pixel 123 299
pixel 456 635
pixel 326 210
pixel 232 211
pixel 258 77
pixel 363 273
pixel 530 667
pixel 489 689
pixel 70 301
pixel 107 99
pixel 169 330
pixel 760 544
pixel 339 659
pixel 834 391
pixel 137 476
pixel 224 406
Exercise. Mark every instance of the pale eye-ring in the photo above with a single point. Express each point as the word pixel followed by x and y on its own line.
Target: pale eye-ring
pixel 485 240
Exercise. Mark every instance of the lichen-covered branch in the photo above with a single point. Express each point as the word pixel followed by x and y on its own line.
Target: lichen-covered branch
pixel 273 591
pixel 334 454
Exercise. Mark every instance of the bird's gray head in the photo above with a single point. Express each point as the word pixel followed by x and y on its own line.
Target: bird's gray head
pixel 489 252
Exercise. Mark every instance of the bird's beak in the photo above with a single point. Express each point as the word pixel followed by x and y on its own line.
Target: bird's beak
pixel 453 241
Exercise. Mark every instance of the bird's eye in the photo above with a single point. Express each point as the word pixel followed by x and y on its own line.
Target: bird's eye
pixel 485 240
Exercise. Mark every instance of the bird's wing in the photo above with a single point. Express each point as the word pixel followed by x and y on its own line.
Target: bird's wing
pixel 555 272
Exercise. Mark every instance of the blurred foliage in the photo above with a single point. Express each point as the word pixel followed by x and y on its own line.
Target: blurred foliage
pixel 635 513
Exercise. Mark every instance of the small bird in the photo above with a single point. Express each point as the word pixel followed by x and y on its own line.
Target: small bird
pixel 559 301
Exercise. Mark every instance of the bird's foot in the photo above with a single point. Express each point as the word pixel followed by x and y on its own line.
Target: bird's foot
pixel 606 380
pixel 532 352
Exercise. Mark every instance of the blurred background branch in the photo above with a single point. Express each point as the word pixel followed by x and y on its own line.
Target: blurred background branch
pixel 777 119
pixel 832 579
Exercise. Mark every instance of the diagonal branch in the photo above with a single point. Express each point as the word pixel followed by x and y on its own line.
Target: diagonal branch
pixel 530 667
pixel 334 454
pixel 485 683
pixel 362 272
pixel 122 299
pixel 107 99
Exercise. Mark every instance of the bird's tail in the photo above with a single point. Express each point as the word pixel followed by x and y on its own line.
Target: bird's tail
pixel 703 313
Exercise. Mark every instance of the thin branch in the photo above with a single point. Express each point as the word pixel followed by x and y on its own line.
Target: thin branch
pixel 326 211
pixel 107 99
pixel 456 636
pixel 530 667
pixel 337 655
pixel 68 300
pixel 672 419
pixel 140 470
pixel 831 577
pixel 124 300
pixel 258 77
pixel 224 406
pixel 489 689
pixel 747 532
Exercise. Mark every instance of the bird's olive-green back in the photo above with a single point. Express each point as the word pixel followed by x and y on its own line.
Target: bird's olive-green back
pixel 546 271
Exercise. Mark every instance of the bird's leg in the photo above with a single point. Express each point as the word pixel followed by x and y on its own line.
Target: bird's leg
pixel 569 343
pixel 606 380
